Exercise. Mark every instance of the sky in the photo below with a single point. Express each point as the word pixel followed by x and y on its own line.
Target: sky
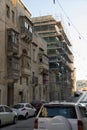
pixel 73 15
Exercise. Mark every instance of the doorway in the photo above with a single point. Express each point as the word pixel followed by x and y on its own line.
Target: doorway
pixel 10 94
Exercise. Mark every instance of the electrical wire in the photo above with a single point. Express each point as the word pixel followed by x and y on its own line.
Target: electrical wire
pixel 80 36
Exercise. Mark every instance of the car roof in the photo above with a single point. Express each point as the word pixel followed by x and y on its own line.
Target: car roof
pixel 22 103
pixel 63 104
pixel 3 105
pixel 60 103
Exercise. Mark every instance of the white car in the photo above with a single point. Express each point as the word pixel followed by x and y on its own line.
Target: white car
pixel 79 97
pixel 7 115
pixel 24 110
pixel 61 116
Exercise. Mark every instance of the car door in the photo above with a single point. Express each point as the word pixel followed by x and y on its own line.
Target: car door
pixel 30 110
pixel 2 115
pixel 9 114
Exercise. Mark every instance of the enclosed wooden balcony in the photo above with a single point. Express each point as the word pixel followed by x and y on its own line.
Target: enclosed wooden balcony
pixel 26 35
pixel 13 68
pixel 43 62
pixel 12 42
pixel 25 29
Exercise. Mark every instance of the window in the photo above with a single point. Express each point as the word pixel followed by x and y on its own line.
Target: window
pixel 15 65
pixel 13 37
pixel 51 111
pixel 20 80
pixel 13 16
pixel 33 75
pixel 17 106
pixel 34 55
pixel 7 109
pixel 28 105
pixel 40 59
pixel 8 11
pixel 30 29
pixel 26 25
pixel 1 109
pixel 27 81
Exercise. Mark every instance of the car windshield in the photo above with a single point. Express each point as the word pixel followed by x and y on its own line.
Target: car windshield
pixel 51 111
pixel 17 106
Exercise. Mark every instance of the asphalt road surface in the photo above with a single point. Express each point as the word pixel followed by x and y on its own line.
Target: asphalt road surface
pixel 21 125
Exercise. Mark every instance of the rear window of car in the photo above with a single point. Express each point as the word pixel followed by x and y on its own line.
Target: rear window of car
pixel 51 111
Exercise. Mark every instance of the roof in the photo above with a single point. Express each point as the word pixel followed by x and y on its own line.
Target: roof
pixel 60 103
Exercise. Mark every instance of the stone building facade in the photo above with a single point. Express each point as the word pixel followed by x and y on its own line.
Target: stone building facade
pixel 40 68
pixel 35 64
pixel 24 62
pixel 61 59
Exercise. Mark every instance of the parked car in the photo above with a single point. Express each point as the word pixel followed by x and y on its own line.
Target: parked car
pixel 78 97
pixel 24 110
pixel 7 115
pixel 61 116
pixel 37 104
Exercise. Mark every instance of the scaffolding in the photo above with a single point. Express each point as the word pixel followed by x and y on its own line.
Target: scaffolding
pixel 59 54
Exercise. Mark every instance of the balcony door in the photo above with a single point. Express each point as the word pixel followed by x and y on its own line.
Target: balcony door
pixel 10 94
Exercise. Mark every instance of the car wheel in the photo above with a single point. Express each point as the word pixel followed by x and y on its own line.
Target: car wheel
pixel 26 115
pixel 15 120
